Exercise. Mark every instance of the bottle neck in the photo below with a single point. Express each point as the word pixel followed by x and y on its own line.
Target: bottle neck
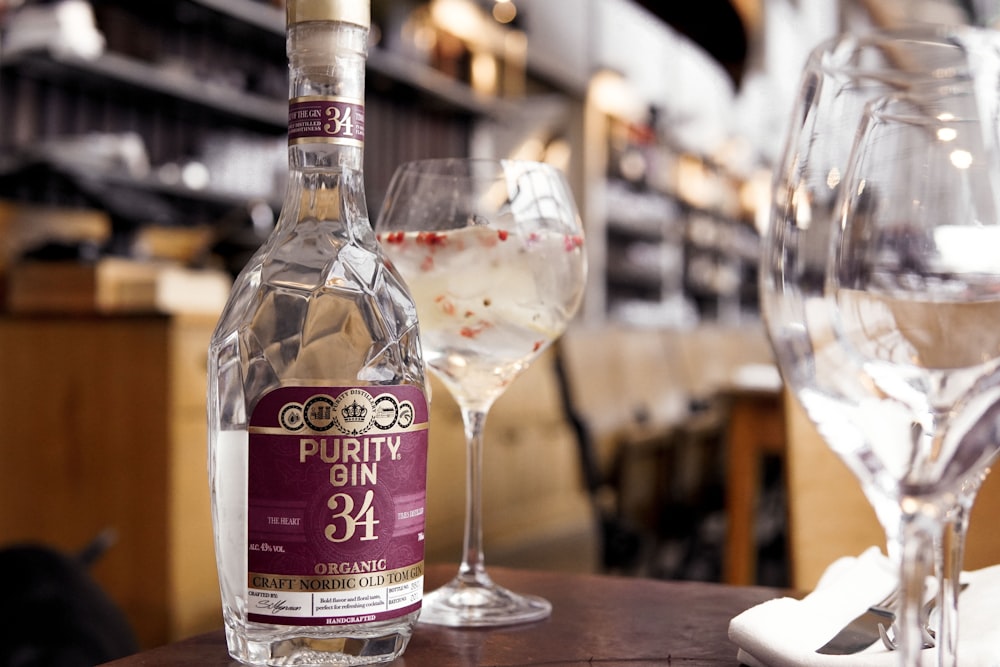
pixel 326 117
pixel 326 121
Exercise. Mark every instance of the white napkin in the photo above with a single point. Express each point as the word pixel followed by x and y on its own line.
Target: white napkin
pixel 785 632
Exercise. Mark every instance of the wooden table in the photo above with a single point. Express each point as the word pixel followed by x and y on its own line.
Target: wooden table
pixel 596 620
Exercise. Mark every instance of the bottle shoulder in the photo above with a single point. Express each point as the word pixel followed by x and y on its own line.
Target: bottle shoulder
pixel 349 318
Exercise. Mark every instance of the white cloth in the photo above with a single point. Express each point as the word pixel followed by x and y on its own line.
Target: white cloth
pixel 785 632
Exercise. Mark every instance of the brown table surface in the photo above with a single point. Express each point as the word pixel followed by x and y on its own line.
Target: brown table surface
pixel 596 620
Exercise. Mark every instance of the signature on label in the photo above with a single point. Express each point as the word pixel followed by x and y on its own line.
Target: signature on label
pixel 278 606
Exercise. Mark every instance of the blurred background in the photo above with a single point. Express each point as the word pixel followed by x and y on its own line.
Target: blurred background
pixel 142 160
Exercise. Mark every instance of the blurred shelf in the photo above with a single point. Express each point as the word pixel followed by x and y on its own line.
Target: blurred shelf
pixel 95 174
pixel 637 229
pixel 396 67
pixel 112 69
pixel 256 14
pixel 635 277
pixel 208 195
pixel 178 74
pixel 435 85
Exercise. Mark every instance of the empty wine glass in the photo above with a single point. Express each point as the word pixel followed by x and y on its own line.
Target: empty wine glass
pixel 840 77
pixel 492 251
pixel 897 354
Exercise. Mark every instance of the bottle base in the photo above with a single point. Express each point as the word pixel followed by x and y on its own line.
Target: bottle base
pixel 298 646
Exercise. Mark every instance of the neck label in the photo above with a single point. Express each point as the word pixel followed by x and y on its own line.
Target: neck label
pixel 326 119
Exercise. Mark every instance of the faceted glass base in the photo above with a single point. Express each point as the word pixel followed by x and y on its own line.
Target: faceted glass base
pixel 298 648
pixel 476 603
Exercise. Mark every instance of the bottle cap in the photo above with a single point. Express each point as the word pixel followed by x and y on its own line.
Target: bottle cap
pixel 357 12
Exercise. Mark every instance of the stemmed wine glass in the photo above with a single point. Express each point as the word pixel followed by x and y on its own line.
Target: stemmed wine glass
pixel 841 76
pixel 895 353
pixel 492 251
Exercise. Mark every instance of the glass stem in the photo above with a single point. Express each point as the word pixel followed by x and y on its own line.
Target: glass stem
pixel 953 555
pixel 951 552
pixel 921 534
pixel 473 568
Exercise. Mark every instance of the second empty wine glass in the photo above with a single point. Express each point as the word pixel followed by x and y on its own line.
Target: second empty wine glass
pixel 903 356
pixel 840 78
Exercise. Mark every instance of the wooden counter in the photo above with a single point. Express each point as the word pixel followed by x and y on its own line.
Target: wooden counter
pixel 104 428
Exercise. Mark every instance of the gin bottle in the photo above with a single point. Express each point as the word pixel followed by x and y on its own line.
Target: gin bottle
pixel 316 405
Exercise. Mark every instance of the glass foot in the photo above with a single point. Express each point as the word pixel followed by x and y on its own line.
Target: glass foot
pixel 466 603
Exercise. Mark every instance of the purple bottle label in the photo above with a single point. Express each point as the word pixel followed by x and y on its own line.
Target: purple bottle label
pixel 326 119
pixel 336 491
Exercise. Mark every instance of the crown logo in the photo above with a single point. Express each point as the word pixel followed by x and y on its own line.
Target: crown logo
pixel 355 412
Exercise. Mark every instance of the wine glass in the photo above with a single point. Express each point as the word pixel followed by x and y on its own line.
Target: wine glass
pixel 898 355
pixel 492 251
pixel 840 77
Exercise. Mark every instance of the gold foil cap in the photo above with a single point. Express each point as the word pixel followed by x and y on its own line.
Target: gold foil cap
pixel 357 12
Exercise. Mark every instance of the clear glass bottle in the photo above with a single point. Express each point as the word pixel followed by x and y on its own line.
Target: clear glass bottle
pixel 316 401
